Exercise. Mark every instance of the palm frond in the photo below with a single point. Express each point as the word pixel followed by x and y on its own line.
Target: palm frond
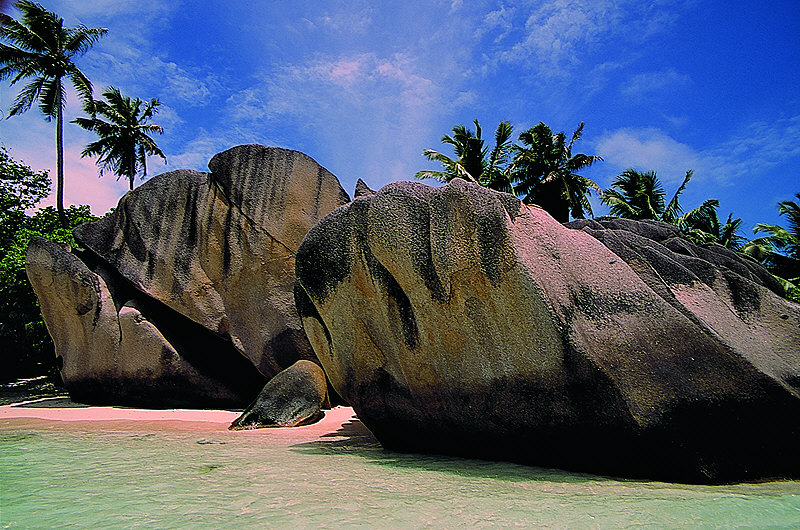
pixel 729 233
pixel 81 83
pixel 618 205
pixel 52 98
pixel 441 176
pixel 79 39
pixel 673 209
pixel 780 237
pixel 27 96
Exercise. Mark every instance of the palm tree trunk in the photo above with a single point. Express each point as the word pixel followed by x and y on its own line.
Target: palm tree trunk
pixel 133 168
pixel 62 217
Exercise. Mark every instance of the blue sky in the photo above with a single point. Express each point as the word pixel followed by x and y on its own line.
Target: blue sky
pixel 364 87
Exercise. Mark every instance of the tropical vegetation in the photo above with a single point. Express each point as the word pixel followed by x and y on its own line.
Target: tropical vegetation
pixel 124 135
pixel 543 170
pixel 640 195
pixel 25 346
pixel 779 249
pixel 41 49
pixel 474 162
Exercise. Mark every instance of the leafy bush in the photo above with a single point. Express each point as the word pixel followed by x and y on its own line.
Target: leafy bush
pixel 26 349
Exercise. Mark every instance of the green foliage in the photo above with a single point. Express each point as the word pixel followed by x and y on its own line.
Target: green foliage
pixel 779 250
pixel 542 171
pixel 640 195
pixel 474 163
pixel 123 143
pixel 38 47
pixel 25 347
pixel 20 188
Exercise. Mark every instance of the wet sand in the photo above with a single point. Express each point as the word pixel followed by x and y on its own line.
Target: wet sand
pixel 61 413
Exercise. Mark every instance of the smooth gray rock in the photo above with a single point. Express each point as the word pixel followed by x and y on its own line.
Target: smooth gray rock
pixel 294 397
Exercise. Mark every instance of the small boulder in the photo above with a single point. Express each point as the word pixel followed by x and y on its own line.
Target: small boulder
pixel 294 397
pixel 362 190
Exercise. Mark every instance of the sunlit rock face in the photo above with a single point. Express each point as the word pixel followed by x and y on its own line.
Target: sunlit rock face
pixel 209 258
pixel 458 320
pixel 111 353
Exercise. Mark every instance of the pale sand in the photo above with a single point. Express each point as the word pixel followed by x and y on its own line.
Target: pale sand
pixel 14 417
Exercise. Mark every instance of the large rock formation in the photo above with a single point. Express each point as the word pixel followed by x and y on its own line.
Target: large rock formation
pixel 112 354
pixel 208 260
pixel 458 320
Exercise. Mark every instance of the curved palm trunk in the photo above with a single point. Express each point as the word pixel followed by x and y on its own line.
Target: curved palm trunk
pixel 62 217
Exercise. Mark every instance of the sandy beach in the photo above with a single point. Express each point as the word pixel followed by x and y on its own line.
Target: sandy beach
pixel 61 413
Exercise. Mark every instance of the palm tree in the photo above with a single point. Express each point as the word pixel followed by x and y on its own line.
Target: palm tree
pixel 635 195
pixel 124 143
pixel 702 225
pixel 474 163
pixel 42 48
pixel 544 171
pixel 779 251
pixel 640 195
pixel 729 233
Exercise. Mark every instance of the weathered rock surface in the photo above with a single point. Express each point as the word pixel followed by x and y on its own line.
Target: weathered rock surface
pixel 362 190
pixel 116 355
pixel 294 397
pixel 219 248
pixel 458 320
pixel 208 260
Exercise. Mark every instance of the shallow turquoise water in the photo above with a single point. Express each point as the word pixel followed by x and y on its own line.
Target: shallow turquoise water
pixel 248 479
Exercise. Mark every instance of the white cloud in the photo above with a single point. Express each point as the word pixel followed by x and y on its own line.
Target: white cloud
pixel 348 21
pixel 104 9
pixel 755 148
pixel 648 84
pixel 646 150
pixel 198 151
pixel 558 36
pixel 135 71
pixel 499 23
pixel 751 151
pixel 368 110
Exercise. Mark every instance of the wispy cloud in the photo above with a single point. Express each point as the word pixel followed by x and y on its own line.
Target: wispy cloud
pixel 748 152
pixel 648 149
pixel 356 21
pixel 135 70
pixel 198 151
pixel 558 37
pixel 498 23
pixel 361 105
pixel 105 9
pixel 755 148
pixel 649 84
